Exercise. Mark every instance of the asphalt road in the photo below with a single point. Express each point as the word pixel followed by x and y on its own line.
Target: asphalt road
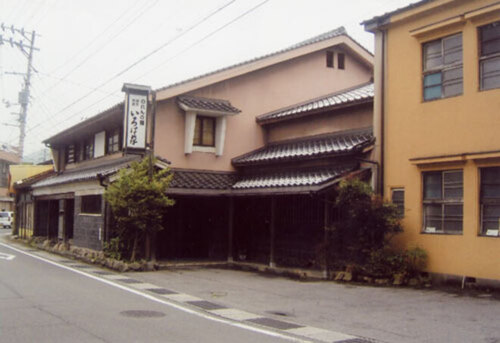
pixel 42 301
pixel 47 298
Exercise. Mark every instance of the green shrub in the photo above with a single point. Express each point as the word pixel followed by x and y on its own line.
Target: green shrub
pixel 364 223
pixel 113 249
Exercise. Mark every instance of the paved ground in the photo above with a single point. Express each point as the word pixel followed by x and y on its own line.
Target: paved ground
pixel 325 311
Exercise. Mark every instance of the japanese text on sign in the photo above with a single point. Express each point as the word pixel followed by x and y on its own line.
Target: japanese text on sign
pixel 136 121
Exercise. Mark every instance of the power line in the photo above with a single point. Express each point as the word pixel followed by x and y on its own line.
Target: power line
pixel 98 49
pixel 141 60
pixel 205 37
pixel 94 40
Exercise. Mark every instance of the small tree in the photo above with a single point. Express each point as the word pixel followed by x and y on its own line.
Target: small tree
pixel 138 201
pixel 364 223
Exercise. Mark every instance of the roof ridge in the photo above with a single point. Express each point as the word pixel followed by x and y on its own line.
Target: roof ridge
pixel 201 97
pixel 322 97
pixel 316 39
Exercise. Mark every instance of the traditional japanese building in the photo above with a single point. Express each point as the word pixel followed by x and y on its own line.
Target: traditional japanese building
pixel 256 150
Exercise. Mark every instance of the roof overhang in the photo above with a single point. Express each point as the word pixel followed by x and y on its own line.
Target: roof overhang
pixel 111 117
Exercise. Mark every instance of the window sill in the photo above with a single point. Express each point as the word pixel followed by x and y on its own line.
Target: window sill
pixel 442 233
pixel 200 148
pixel 90 214
pixel 488 236
pixel 442 98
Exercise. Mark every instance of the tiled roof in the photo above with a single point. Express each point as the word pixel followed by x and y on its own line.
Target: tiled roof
pixel 199 103
pixel 352 96
pixel 338 143
pixel 202 179
pixel 324 36
pixel 293 178
pixel 87 173
pixel 27 182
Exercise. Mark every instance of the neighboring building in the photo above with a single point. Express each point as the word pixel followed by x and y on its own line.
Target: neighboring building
pixel 255 148
pixel 25 205
pixel 7 158
pixel 436 107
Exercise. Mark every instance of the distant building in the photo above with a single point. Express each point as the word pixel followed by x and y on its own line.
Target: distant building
pixel 8 157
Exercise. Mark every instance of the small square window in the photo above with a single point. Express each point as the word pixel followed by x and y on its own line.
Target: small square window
pixel 91 204
pixel 329 59
pixel 398 199
pixel 204 131
pixel 341 61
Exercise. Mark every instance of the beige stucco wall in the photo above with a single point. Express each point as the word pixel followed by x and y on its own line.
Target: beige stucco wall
pixel 254 93
pixel 462 124
pixel 345 119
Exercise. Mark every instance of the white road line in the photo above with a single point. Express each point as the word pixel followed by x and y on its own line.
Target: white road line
pixel 234 314
pixel 320 334
pixel 7 257
pixel 145 285
pixel 165 302
pixel 180 297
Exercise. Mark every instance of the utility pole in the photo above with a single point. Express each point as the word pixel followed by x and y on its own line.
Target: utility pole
pixel 24 94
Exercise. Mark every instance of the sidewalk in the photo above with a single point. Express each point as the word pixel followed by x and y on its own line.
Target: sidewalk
pixel 382 314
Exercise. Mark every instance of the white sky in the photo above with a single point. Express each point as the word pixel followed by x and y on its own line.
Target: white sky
pixel 85 45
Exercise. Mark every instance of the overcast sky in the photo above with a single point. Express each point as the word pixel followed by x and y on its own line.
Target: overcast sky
pixel 89 48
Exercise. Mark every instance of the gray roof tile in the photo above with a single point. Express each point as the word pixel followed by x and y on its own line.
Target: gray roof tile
pixel 202 179
pixel 338 143
pixel 86 173
pixel 352 96
pixel 199 103
pixel 293 178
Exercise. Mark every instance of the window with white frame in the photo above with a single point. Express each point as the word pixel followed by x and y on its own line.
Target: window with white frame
pixel 443 201
pixel 442 68
pixel 489 60
pixel 490 201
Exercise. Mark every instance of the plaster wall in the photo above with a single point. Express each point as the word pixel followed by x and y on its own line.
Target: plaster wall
pixel 463 124
pixel 255 93
pixel 346 119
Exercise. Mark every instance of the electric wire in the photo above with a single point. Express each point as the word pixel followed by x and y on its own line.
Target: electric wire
pixel 139 61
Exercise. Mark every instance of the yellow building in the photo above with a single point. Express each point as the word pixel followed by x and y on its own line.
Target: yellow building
pixel 437 125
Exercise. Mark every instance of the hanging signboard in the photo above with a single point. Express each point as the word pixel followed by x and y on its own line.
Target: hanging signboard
pixel 136 116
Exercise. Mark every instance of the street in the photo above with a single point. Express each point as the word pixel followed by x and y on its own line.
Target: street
pixel 48 298
pixel 44 302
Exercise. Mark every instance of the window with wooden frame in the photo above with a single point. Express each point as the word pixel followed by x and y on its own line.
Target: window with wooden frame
pixel 443 202
pixel 88 148
pixel 442 68
pixel 489 59
pixel 398 199
pixel 329 59
pixel 91 204
pixel 113 141
pixel 204 131
pixel 490 201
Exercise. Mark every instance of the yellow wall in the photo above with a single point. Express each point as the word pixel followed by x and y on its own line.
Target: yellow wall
pixel 467 123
